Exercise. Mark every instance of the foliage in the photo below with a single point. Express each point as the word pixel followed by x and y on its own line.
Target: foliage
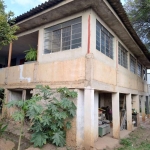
pixel 138 140
pixel 2 128
pixel 50 112
pixel 31 54
pixel 126 142
pixel 139 15
pixel 7 27
pixel 1 98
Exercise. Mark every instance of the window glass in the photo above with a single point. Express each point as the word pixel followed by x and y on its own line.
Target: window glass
pixel 132 64
pixel 63 36
pixel 139 70
pixel 104 40
pixel 122 56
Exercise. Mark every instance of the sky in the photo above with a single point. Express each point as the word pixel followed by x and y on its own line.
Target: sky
pixel 21 6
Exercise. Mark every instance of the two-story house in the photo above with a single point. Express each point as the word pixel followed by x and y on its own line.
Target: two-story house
pixel 89 46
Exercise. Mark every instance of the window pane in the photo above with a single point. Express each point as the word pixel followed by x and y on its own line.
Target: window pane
pixel 104 40
pixel 103 45
pixel 132 64
pixel 122 56
pixel 66 37
pixel 139 70
pixel 76 36
pixel 56 41
pixel 63 36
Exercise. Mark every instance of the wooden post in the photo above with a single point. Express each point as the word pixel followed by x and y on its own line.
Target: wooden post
pixel 10 54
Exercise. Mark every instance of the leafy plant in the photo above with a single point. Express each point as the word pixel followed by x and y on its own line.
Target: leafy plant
pixel 126 142
pixel 1 98
pixel 2 128
pixel 31 54
pixel 19 115
pixel 50 112
pixel 7 26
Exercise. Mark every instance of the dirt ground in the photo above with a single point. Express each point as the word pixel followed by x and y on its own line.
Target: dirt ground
pixel 138 139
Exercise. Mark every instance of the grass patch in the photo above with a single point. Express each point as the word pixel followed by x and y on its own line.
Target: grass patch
pixel 138 140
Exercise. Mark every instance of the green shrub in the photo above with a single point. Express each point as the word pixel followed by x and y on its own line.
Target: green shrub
pixel 51 119
pixel 31 54
pixel 126 142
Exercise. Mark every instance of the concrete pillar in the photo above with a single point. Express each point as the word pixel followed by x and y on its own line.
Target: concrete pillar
pixel 147 106
pixel 80 117
pixel 96 115
pixel 116 115
pixel 143 99
pixel 129 112
pixel 89 128
pixel 136 103
pixel 136 106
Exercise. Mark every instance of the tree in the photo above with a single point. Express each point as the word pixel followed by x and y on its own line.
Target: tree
pixel 139 14
pixel 7 26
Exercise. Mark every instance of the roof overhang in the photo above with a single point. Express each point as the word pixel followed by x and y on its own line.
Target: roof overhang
pixel 107 10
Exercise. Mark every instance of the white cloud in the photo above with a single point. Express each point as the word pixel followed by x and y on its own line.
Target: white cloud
pixel 28 3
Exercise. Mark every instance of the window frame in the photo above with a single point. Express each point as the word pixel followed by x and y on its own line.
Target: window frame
pixel 122 52
pixel 49 31
pixel 100 29
pixel 134 59
pixel 139 74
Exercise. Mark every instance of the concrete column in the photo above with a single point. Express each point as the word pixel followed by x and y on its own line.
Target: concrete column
pixel 136 103
pixel 96 115
pixel 143 99
pixel 147 106
pixel 89 128
pixel 80 117
pixel 116 115
pixel 129 112
pixel 136 106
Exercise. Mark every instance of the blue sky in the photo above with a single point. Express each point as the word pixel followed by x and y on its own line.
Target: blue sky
pixel 21 6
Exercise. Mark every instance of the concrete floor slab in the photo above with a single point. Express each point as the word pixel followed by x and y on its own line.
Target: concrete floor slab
pixel 105 143
pixel 108 142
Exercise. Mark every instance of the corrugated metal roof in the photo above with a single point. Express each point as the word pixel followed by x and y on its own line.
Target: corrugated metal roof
pixel 38 9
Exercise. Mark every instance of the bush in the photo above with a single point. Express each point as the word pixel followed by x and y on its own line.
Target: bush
pixel 51 119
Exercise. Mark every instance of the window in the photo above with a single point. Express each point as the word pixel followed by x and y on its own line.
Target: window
pixel 64 36
pixel 104 40
pixel 139 70
pixel 132 64
pixel 122 56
